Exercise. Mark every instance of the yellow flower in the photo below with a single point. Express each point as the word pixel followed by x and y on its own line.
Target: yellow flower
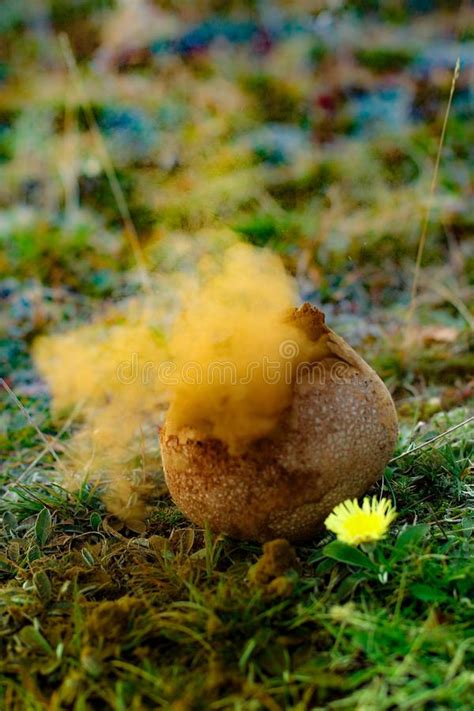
pixel 353 524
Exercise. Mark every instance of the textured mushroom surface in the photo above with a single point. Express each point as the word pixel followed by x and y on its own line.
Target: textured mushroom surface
pixel 331 444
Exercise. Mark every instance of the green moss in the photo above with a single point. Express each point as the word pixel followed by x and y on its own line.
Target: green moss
pixel 182 624
pixel 385 59
pixel 261 230
pixel 275 100
pixel 61 254
pixel 292 193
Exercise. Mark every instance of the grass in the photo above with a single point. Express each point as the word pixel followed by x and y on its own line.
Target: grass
pixel 287 147
pixel 94 616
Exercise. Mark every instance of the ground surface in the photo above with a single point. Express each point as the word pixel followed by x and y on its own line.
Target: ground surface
pixel 314 133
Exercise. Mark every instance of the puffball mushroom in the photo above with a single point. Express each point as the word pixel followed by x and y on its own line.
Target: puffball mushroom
pixel 332 443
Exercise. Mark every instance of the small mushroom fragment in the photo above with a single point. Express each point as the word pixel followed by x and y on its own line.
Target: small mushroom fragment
pixel 332 443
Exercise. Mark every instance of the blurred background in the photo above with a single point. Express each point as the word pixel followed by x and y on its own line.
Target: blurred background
pixel 145 129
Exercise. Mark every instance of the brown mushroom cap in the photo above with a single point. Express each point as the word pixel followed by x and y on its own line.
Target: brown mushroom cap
pixel 331 444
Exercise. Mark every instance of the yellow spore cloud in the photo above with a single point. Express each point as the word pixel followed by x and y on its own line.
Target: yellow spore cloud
pixel 235 349
pixel 102 371
pixel 228 367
